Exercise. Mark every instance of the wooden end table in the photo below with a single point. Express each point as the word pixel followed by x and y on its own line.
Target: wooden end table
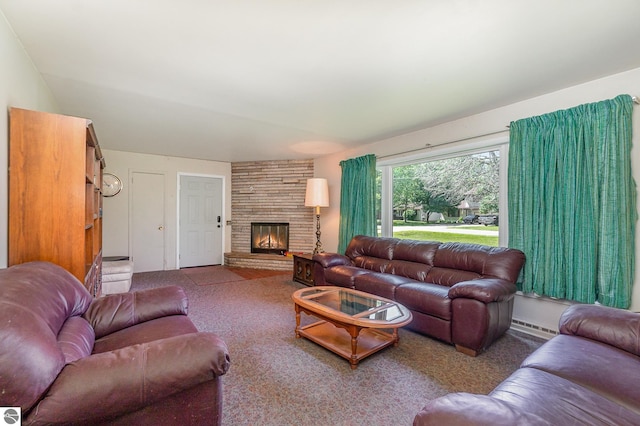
pixel 303 268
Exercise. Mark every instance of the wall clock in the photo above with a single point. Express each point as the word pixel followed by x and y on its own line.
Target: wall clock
pixel 111 185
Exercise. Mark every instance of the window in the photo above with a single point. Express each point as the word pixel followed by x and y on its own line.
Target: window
pixel 447 196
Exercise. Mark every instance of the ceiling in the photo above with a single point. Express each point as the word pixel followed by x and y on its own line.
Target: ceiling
pixel 244 80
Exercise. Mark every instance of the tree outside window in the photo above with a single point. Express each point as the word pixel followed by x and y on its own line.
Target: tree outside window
pixel 452 199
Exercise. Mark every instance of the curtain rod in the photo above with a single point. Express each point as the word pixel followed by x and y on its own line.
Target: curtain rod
pixel 635 100
pixel 428 146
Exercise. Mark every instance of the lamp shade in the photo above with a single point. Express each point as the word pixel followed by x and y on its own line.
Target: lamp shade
pixel 317 193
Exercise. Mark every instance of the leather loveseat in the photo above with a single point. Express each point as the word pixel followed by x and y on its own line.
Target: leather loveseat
pixel 458 293
pixel 131 359
pixel 587 375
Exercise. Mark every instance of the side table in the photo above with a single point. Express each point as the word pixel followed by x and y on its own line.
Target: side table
pixel 303 269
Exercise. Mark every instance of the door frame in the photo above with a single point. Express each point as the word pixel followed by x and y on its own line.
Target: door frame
pixel 223 220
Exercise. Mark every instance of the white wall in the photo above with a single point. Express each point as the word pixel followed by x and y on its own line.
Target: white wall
pixel 20 86
pixel 540 311
pixel 115 235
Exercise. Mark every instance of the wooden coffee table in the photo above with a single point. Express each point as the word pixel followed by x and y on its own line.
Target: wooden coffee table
pixel 353 324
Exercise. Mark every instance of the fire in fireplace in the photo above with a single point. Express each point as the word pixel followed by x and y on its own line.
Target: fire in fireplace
pixel 267 237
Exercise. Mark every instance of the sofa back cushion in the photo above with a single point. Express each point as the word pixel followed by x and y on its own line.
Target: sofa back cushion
pixel 414 270
pixel 435 262
pixel 457 262
pixel 36 299
pixel 416 251
pixel 413 259
pixel 361 245
pixel 371 253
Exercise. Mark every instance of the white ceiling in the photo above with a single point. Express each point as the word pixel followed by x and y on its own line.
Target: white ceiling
pixel 241 80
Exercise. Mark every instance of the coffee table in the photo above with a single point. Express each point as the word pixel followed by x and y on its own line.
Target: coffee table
pixel 353 324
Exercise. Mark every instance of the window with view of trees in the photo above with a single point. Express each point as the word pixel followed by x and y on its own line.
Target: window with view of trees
pixel 449 199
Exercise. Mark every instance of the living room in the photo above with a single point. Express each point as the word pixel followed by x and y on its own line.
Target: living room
pixel 23 85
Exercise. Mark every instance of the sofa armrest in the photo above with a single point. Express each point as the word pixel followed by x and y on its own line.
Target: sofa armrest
pixel 107 385
pixel 485 290
pixel 463 409
pixel 114 312
pixel 327 260
pixel 615 327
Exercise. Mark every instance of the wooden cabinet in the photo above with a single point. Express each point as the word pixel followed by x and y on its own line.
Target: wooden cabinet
pixel 55 200
pixel 303 268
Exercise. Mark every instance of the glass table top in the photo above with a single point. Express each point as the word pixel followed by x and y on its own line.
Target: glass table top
pixel 353 303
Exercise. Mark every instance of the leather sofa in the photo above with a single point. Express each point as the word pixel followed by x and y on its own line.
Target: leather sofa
pixel 587 375
pixel 458 293
pixel 131 359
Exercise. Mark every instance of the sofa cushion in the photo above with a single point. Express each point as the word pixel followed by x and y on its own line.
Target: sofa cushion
pixel 485 261
pixel 47 290
pixel 413 270
pixel 361 245
pixel 448 277
pixel 343 275
pixel 465 409
pixel 427 298
pixel 76 339
pixel 416 251
pixel 597 366
pixel 36 298
pixel 615 327
pixel 372 263
pixel 117 311
pixel 160 328
pixel 382 285
pixel 559 401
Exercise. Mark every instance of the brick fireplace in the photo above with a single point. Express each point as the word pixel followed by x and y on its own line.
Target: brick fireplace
pixel 269 192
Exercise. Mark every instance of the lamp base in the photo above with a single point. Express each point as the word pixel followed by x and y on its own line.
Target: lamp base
pixel 318 248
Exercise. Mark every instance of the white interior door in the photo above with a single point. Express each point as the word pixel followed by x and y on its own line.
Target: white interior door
pixel 147 221
pixel 200 226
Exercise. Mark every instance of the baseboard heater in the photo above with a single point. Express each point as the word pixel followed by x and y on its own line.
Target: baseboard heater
pixel 533 329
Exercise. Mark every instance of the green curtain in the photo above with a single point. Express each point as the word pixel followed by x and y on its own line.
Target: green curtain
pixel 572 202
pixel 357 199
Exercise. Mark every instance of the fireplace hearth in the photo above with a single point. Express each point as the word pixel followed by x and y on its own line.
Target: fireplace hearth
pixel 269 237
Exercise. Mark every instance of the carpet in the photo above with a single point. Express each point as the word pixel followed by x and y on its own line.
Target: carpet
pixel 276 379
pixel 217 274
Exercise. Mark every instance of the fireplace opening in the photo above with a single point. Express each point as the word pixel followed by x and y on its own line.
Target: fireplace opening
pixel 268 237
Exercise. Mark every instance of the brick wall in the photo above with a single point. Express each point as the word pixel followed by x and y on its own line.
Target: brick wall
pixel 271 191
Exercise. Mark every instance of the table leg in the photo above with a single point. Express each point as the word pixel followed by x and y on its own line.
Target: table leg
pixel 396 337
pixel 297 321
pixel 354 332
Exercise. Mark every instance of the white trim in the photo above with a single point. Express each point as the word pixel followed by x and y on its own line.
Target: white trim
pixel 386 165
pixel 439 153
pixel 503 202
pixel 386 200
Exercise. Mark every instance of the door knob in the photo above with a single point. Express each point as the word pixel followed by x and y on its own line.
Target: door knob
pixel 160 228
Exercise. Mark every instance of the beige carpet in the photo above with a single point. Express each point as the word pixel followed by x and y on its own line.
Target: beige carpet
pixel 276 379
pixel 211 275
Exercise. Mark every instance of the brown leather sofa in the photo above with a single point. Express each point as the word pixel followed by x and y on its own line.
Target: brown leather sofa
pixel 587 375
pixel 459 293
pixel 131 359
